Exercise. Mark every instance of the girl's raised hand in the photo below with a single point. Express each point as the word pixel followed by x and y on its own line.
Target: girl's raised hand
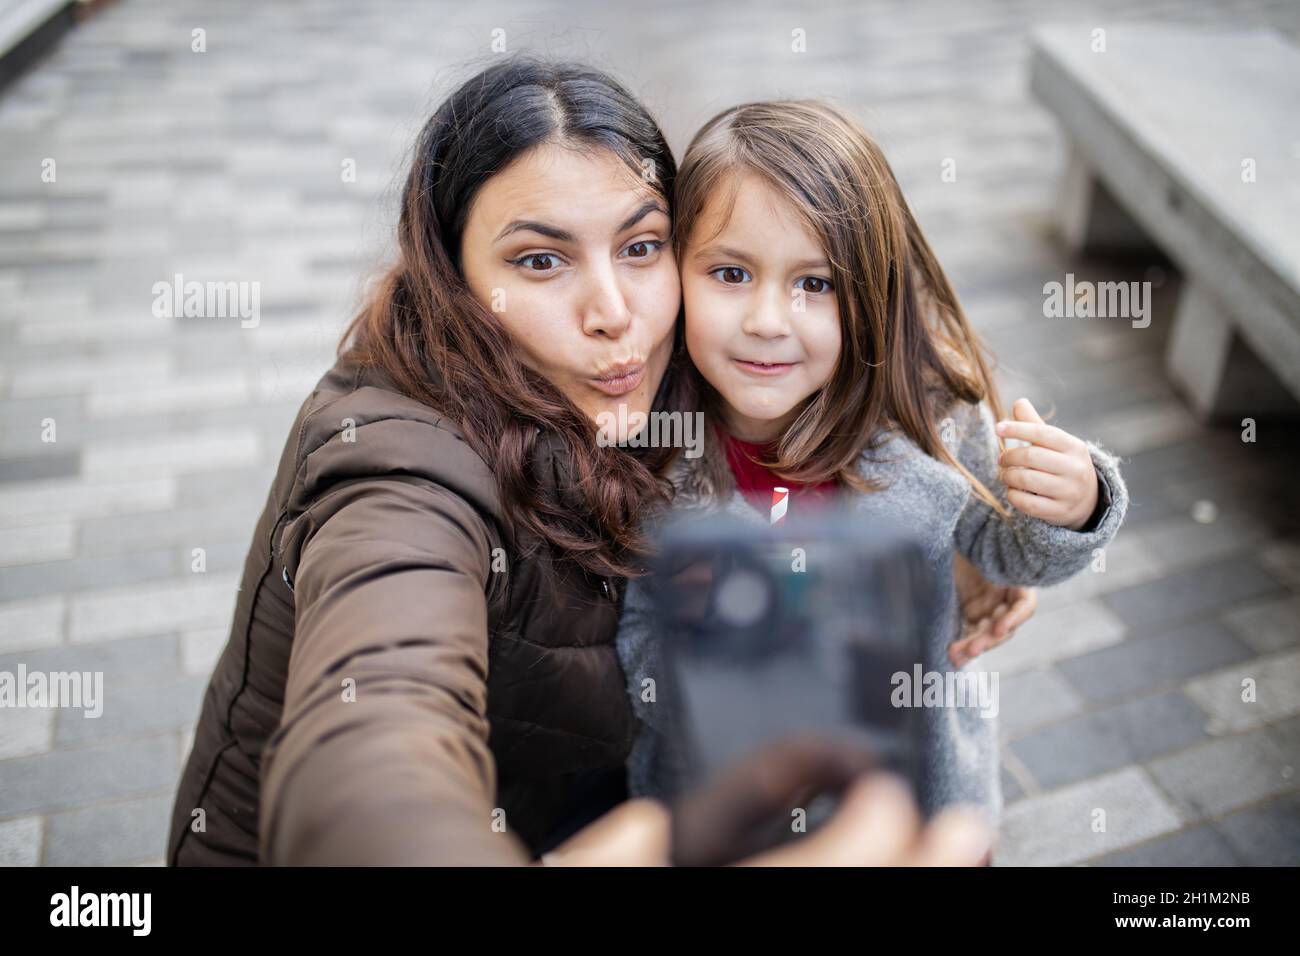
pixel 1053 478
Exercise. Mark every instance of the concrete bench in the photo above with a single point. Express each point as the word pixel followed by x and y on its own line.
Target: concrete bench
pixel 1190 140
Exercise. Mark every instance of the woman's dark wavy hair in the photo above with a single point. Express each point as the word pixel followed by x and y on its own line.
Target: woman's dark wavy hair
pixel 440 345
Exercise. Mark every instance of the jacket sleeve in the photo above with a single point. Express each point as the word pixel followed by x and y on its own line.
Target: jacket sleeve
pixel 1022 550
pixel 381 756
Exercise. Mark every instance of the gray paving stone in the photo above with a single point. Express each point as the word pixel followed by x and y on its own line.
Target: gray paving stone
pixel 1267 625
pixel 54 465
pixel 150 659
pixel 21 417
pixel 1189 594
pixel 1226 774
pixel 33 623
pixel 194 600
pixel 228 486
pixel 201 648
pixel 179 528
pixel 223 387
pixel 71 778
pixel 220 553
pixel 1131 430
pixel 1086 400
pixel 1104 740
pixel 1266 835
pixel 1283 559
pixel 111 834
pixel 25 730
pixel 1033 698
pixel 164 454
pixel 1142 663
pixel 44 502
pixel 1210 454
pixel 134 709
pixel 1261 492
pixel 1145 510
pixel 1182 542
pixel 81 212
pixel 1273 683
pixel 1287 733
pixel 1056 634
pixel 1201 845
pixel 20 841
pixel 83 574
pixel 1085 820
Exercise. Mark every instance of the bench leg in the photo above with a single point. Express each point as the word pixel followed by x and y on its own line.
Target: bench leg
pixel 1091 220
pixel 1218 373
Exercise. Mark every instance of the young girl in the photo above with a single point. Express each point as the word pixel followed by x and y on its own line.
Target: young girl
pixel 835 358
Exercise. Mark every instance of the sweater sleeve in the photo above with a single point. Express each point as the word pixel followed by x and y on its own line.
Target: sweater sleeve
pixel 639 651
pixel 652 769
pixel 1019 549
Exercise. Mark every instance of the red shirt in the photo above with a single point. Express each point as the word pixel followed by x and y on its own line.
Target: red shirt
pixel 756 482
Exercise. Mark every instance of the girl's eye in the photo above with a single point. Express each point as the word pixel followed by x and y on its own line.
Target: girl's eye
pixel 731 275
pixel 813 285
pixel 643 249
pixel 537 261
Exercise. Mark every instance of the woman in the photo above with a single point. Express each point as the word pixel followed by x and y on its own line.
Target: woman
pixel 421 667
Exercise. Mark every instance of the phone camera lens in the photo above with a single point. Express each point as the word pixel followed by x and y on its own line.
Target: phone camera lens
pixel 742 598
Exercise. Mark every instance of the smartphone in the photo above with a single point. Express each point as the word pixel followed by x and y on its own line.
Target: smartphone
pixel 773 634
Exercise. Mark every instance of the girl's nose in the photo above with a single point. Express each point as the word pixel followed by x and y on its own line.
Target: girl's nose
pixel 770 316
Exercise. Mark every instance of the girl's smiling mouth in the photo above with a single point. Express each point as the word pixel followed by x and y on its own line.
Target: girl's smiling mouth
pixel 764 368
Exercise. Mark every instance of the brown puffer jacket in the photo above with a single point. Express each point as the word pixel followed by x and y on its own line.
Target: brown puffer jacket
pixel 396 690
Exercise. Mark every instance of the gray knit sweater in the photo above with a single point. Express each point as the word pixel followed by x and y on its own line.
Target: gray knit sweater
pixel 960 763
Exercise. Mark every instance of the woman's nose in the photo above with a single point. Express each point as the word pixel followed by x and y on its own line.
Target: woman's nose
pixel 606 312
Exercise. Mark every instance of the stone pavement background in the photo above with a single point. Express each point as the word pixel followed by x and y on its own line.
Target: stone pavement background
pixel 1121 694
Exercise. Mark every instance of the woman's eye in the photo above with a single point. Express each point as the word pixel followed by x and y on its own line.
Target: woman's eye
pixel 537 262
pixel 731 275
pixel 814 285
pixel 643 249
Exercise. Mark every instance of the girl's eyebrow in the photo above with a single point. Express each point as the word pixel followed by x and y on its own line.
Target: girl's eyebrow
pixel 811 264
pixel 709 252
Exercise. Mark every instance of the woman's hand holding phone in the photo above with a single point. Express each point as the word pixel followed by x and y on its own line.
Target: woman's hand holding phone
pixel 877 822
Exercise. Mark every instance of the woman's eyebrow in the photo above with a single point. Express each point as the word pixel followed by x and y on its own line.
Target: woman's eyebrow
pixel 562 235
pixel 541 228
pixel 642 211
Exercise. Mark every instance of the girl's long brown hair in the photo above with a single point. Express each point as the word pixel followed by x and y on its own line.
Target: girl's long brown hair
pixel 440 345
pixel 907 348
